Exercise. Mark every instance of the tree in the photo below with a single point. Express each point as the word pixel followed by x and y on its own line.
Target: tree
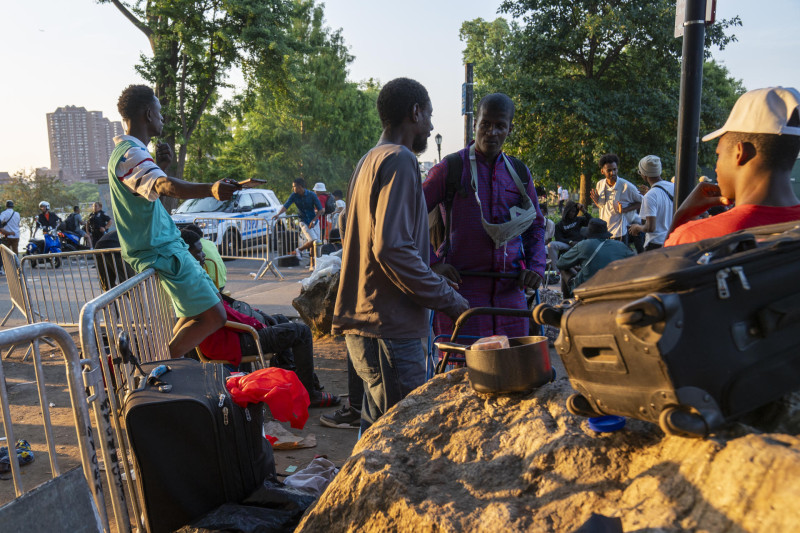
pixel 589 77
pixel 194 45
pixel 29 187
pixel 316 125
pixel 85 192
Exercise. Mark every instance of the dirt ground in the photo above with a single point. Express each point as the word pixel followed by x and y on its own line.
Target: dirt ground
pixel 270 294
pixel 331 367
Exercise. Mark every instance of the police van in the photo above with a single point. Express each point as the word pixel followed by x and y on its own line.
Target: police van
pixel 217 218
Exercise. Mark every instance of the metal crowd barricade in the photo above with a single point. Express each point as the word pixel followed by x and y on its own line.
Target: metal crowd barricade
pixel 54 287
pixel 140 308
pixel 241 238
pixel 287 235
pixel 58 285
pixel 16 288
pixel 76 380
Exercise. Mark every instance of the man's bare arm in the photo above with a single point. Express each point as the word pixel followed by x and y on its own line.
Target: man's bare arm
pixel 175 188
pixel 702 197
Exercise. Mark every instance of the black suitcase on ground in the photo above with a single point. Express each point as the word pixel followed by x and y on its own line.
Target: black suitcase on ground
pixel 194 448
pixel 689 336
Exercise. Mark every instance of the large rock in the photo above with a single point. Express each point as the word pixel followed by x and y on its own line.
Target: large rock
pixel 449 459
pixel 315 304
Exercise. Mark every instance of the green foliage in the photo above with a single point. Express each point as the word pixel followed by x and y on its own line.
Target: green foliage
pixel 591 77
pixel 314 125
pixel 29 187
pixel 195 43
pixel 84 192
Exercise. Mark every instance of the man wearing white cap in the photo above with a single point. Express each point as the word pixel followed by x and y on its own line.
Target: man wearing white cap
pixel 325 199
pixel 657 204
pixel 757 149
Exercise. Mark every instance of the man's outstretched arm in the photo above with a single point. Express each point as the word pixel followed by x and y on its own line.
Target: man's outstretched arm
pixel 176 188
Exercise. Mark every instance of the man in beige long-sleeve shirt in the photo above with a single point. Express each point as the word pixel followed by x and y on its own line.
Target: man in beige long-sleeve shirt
pixel 386 284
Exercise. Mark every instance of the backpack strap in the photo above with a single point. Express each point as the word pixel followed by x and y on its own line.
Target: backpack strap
pixel 664 191
pixel 586 264
pixel 521 168
pixel 455 167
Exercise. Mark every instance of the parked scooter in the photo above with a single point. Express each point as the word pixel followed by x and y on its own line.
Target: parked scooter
pixel 49 244
pixel 70 242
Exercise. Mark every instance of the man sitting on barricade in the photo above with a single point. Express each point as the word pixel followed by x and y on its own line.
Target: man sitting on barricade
pixel 757 149
pixel 147 235
pixel 289 341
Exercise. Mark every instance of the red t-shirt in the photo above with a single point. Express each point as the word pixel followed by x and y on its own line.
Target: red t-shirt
pixel 740 217
pixel 223 344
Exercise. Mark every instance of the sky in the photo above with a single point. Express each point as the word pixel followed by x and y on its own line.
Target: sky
pixel 78 52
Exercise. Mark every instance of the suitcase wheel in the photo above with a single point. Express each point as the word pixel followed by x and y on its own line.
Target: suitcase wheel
pixel 578 405
pixel 681 423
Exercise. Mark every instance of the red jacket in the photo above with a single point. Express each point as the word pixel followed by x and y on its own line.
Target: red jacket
pixel 223 344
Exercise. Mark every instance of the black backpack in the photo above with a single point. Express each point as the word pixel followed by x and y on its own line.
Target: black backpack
pixel 71 224
pixel 330 205
pixel 440 229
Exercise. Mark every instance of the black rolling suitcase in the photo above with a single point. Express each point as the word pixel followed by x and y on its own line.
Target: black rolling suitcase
pixel 194 448
pixel 689 336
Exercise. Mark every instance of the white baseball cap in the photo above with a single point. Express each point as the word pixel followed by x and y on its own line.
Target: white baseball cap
pixel 319 187
pixel 767 110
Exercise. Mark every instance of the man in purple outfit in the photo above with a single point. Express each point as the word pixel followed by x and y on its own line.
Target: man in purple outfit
pixel 498 228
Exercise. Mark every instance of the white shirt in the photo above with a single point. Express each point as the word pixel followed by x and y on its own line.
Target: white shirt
pixel 624 192
pixel 563 195
pixel 657 204
pixel 12 225
pixel 549 229
pixel 137 170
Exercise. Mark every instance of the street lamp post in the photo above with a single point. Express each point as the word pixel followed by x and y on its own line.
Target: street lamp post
pixel 438 140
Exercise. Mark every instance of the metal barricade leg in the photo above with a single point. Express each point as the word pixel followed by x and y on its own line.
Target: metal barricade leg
pixel 140 308
pixel 31 334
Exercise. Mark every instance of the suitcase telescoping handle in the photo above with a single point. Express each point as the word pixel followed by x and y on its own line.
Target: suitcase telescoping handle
pixel 728 246
pixel 642 312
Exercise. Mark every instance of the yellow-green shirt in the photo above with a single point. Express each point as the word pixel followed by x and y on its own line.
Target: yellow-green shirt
pixel 214 266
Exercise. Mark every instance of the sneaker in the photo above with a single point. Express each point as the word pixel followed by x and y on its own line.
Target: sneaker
pixel 324 399
pixel 344 418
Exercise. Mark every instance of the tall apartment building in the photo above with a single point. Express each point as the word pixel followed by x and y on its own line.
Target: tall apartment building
pixel 81 141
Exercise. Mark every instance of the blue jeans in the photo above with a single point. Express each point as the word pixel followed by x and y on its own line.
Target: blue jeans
pixel 390 369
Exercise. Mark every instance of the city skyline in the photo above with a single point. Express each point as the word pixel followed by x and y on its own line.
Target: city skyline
pixel 92 76
pixel 80 141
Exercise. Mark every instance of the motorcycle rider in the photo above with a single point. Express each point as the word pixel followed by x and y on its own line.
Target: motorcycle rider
pixel 46 219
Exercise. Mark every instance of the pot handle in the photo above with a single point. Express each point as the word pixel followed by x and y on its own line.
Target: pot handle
pixel 448 347
pixel 451 347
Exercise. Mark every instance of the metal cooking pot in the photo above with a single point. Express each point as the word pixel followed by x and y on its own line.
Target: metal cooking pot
pixel 523 366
